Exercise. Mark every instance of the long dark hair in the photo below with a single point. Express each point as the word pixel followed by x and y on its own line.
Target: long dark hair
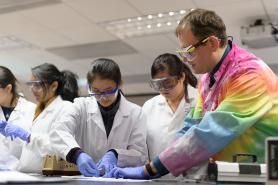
pixel 175 67
pixel 67 80
pixel 106 69
pixel 6 78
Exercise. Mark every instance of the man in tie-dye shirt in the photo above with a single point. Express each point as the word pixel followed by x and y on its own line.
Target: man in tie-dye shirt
pixel 237 105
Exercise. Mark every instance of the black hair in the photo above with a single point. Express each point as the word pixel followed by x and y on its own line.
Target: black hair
pixel 67 80
pixel 105 68
pixel 175 67
pixel 6 78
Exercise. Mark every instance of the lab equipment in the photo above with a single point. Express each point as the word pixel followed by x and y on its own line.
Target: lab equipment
pixel 188 52
pixel 164 84
pixel 35 85
pixel 221 171
pixel 272 160
pixel 55 165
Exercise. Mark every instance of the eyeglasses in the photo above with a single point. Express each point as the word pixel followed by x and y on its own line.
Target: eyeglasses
pixel 189 52
pixel 164 84
pixel 107 94
pixel 35 85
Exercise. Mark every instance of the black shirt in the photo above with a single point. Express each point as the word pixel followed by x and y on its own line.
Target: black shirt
pixel 7 112
pixel 108 114
pixel 215 69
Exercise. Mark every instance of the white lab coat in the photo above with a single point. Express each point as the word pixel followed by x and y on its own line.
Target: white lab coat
pixel 22 116
pixel 84 121
pixel 39 146
pixel 163 123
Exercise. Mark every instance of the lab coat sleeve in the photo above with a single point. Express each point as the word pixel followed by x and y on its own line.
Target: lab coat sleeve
pixel 136 152
pixel 40 142
pixel 62 136
pixel 247 99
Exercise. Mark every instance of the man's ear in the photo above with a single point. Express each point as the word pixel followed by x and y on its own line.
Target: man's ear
pixel 214 43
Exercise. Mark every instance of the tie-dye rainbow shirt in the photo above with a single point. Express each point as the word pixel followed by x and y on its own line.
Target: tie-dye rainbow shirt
pixel 235 115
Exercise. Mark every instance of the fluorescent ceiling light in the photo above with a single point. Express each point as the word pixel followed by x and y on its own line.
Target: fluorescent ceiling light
pixel 144 25
pixel 11 43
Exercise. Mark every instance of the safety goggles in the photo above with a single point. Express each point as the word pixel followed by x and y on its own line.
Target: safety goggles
pixel 164 84
pixel 107 94
pixel 35 85
pixel 189 52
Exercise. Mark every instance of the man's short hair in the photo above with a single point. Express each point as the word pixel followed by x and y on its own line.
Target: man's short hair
pixel 204 23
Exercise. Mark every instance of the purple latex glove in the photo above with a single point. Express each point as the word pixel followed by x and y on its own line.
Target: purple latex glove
pixel 4 168
pixel 107 162
pixel 15 131
pixel 128 173
pixel 3 124
pixel 87 166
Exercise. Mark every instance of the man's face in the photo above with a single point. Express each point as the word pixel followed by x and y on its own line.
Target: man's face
pixel 200 60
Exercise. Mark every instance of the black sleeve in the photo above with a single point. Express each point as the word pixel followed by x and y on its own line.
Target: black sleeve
pixel 73 155
pixel 114 151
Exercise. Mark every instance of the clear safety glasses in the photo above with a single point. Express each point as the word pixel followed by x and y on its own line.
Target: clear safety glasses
pixel 106 95
pixel 35 85
pixel 164 84
pixel 188 53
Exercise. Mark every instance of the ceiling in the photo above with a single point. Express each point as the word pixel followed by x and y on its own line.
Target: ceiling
pixel 68 34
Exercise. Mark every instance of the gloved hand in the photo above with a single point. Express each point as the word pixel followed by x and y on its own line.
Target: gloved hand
pixel 15 131
pixel 86 165
pixel 107 162
pixel 4 168
pixel 3 124
pixel 128 173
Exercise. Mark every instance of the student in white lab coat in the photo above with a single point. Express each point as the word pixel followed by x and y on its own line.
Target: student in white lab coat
pixel 51 88
pixel 104 128
pixel 166 112
pixel 14 110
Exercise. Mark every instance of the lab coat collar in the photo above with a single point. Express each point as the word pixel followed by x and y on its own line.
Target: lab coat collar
pixel 93 106
pixel 124 107
pixel 123 112
pixel 18 110
pixel 20 104
pixel 58 100
pixel 50 108
pixel 161 100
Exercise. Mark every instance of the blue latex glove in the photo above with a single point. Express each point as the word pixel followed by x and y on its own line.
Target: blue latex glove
pixel 3 124
pixel 87 166
pixel 129 173
pixel 15 131
pixel 107 162
pixel 4 168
